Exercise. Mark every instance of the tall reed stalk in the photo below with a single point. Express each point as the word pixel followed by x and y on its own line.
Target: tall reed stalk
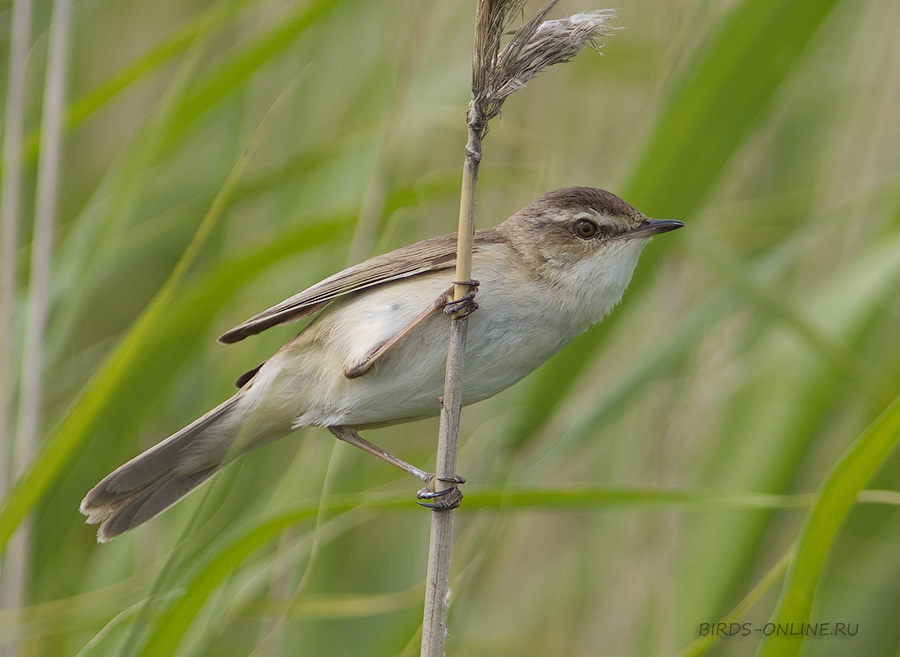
pixel 496 74
pixel 38 303
pixel 11 566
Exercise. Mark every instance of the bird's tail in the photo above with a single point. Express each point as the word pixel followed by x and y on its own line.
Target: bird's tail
pixel 153 481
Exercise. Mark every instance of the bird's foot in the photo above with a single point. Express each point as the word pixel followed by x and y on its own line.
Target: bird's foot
pixel 445 499
pixel 465 305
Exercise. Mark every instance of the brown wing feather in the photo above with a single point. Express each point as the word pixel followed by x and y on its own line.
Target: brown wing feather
pixel 435 254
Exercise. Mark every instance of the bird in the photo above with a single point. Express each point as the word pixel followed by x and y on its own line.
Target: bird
pixel 374 354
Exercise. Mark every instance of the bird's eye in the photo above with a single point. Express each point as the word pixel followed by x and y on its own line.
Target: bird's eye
pixel 585 228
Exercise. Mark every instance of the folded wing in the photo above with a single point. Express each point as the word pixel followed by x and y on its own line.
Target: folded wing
pixel 435 254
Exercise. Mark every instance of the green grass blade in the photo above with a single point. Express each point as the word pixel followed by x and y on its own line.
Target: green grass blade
pixel 58 450
pixel 725 92
pixel 175 621
pixel 85 106
pixel 772 304
pixel 702 644
pixel 236 70
pixel 837 496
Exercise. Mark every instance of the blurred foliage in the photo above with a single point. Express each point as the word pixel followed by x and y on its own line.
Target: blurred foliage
pixel 653 477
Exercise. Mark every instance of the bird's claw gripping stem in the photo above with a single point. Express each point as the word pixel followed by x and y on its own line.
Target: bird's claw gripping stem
pixel 465 305
pixel 445 499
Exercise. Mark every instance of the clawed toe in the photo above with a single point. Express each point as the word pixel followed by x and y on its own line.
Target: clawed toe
pixel 444 499
pixel 462 307
pixel 465 305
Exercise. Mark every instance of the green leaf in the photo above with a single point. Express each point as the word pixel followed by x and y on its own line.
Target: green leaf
pixel 234 72
pixel 837 496
pixel 724 93
pixel 60 447
pixel 174 622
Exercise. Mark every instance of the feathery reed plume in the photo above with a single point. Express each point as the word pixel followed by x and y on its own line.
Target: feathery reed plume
pixel 536 45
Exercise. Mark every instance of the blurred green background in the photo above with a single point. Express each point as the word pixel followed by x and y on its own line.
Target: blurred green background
pixel 642 483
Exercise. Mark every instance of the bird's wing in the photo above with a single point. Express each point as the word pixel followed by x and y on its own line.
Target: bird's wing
pixel 435 254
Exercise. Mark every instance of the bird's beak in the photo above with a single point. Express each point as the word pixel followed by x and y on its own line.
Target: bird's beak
pixel 651 227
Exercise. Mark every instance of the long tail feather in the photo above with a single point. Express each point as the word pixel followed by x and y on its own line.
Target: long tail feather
pixel 153 481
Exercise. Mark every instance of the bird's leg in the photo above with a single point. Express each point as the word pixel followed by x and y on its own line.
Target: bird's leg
pixel 448 498
pixel 351 436
pixel 465 305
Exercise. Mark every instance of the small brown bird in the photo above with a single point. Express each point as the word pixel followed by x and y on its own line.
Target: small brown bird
pixel 375 354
